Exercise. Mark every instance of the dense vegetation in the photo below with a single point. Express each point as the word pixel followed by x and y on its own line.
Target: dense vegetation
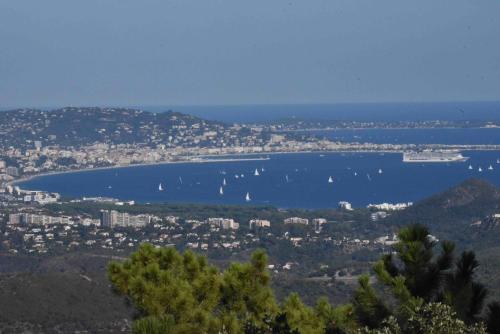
pixel 423 292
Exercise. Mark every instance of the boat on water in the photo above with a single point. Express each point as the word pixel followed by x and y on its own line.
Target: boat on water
pixel 470 167
pixel 368 177
pixel 242 175
pixel 286 178
pixel 479 169
pixel 160 187
pixel 330 179
pixel 256 173
pixel 247 197
pixel 180 180
pixel 490 168
pixel 262 170
pixel 498 161
pixel 224 182
pixel 355 174
pixel 221 191
pixel 236 176
pixel 434 156
pixel 380 171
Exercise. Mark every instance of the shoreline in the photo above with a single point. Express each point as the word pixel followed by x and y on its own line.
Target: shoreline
pixel 217 159
pixel 391 128
pixel 145 164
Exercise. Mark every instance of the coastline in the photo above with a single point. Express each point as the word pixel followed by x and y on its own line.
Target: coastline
pixel 231 158
pixel 85 170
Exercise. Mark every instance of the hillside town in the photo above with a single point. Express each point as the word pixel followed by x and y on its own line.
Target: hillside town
pixel 118 231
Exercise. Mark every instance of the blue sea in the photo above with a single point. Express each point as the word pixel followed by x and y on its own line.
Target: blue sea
pixel 469 136
pixel 285 180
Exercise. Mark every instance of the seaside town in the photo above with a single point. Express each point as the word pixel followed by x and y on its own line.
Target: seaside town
pixel 33 143
pixel 45 223
pixel 31 227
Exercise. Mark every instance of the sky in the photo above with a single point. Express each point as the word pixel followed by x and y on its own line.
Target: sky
pixel 226 52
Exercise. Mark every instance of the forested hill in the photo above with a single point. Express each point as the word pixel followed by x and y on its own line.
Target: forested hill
pixel 82 126
pixel 455 213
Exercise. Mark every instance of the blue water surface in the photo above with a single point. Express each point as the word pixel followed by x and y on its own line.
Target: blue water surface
pixel 286 180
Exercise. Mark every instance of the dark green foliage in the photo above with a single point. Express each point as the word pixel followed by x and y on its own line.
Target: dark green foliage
pixel 466 296
pixel 182 293
pixel 423 272
pixel 369 309
pixel 493 318
pixel 153 325
pixel 280 325
pixel 419 278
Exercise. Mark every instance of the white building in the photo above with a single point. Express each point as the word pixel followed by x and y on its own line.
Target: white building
pixel 224 223
pixel 254 223
pixel 296 220
pixel 345 205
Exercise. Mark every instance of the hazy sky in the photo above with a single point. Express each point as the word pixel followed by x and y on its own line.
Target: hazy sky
pixel 142 52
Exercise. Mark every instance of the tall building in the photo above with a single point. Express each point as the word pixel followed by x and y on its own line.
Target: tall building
pixel 114 218
pixel 106 219
pixel 14 219
pixel 12 171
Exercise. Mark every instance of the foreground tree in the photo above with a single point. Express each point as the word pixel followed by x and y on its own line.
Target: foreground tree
pixel 431 318
pixel 417 277
pixel 181 293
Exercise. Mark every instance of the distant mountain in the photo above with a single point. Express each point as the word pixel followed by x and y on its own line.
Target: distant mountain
pixel 83 126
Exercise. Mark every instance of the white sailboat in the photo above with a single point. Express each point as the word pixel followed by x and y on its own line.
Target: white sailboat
pixel 330 179
pixel 368 177
pixel 470 167
pixel 224 182
pixel 355 174
pixel 286 178
pixel 262 170
pixel 160 187
pixel 221 191
pixel 236 176
pixel 242 175
pixel 256 173
pixel 490 168
pixel 180 180
pixel 380 171
pixel 479 169
pixel 247 197
pixel 498 161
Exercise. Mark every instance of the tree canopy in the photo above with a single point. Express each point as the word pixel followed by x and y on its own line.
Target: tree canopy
pixel 423 291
